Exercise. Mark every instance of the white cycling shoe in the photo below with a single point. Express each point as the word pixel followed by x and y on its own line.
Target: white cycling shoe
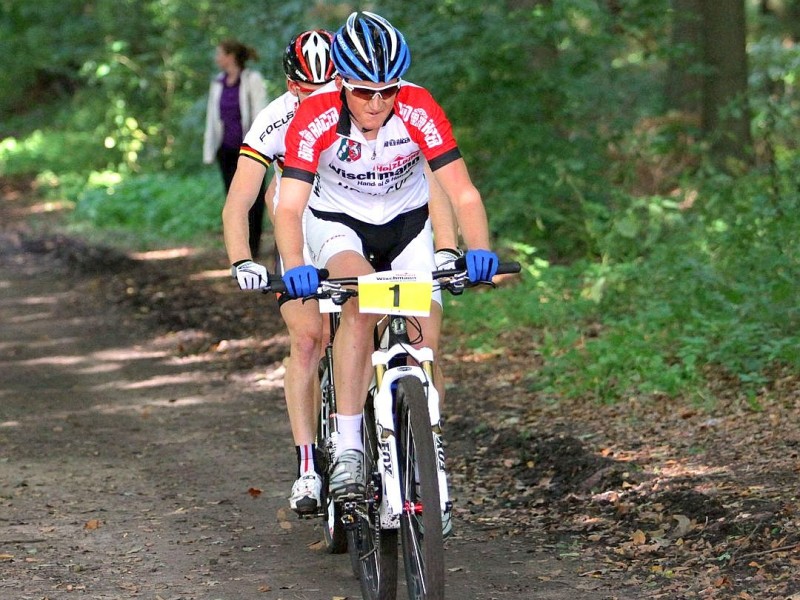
pixel 306 492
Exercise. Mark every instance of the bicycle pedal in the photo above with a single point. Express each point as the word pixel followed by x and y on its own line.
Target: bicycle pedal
pixel 350 497
pixel 349 518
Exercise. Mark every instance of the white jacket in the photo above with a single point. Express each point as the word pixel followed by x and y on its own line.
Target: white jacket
pixel 252 98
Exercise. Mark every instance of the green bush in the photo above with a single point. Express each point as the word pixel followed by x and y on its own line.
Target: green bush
pixel 58 151
pixel 181 208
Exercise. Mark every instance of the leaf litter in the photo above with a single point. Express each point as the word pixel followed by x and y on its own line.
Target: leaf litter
pixel 678 500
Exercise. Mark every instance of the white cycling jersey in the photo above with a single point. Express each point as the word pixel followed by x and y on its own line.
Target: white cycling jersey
pixel 373 181
pixel 265 142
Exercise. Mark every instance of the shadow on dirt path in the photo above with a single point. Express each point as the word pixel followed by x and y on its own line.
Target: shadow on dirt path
pixel 136 463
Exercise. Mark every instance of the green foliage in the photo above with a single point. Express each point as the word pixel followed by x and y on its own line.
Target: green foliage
pixel 536 94
pixel 58 151
pixel 160 206
pixel 719 289
pixel 644 267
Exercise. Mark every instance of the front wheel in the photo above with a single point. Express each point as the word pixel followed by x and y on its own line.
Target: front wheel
pixel 373 551
pixel 421 519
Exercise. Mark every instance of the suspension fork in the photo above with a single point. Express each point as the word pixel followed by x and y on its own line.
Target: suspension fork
pixel 398 334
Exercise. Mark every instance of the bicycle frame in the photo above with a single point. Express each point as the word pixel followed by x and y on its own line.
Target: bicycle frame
pixel 327 414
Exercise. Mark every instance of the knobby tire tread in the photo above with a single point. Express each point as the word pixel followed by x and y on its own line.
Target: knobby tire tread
pixel 425 571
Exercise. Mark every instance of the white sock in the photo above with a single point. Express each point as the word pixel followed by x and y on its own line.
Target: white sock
pixel 349 433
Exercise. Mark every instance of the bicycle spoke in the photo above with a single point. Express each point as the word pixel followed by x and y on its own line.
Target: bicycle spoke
pixel 373 552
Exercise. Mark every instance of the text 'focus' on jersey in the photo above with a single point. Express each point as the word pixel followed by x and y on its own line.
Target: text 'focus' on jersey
pixel 371 180
pixel 265 142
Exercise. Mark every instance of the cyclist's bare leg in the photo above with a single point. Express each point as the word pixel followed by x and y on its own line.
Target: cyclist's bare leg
pixel 300 382
pixel 352 347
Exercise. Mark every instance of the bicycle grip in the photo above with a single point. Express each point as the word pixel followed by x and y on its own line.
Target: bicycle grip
pixel 503 268
pixel 509 267
pixel 276 285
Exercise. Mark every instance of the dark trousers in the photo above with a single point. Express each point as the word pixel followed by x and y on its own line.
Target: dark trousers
pixel 227 159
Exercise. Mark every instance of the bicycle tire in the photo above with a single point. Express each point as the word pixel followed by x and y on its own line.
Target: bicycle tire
pixel 373 551
pixel 333 528
pixel 421 520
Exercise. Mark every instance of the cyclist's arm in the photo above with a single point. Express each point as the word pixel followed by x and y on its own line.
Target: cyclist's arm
pixel 269 197
pixel 244 190
pixel 292 202
pixel 445 231
pixel 467 203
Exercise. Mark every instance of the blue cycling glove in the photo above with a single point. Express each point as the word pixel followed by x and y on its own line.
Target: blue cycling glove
pixel 481 265
pixel 301 281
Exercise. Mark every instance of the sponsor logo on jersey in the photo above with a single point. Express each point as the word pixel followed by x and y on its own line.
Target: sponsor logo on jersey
pixel 396 163
pixel 387 172
pixel 405 140
pixel 277 124
pixel 349 151
pixel 313 131
pixel 418 118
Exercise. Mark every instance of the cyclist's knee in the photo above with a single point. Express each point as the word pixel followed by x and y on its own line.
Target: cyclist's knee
pixel 357 320
pixel 306 343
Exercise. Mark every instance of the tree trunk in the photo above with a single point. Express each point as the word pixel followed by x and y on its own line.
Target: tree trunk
pixel 725 115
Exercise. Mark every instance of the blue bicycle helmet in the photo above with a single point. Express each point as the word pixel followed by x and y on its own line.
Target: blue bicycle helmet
pixel 369 48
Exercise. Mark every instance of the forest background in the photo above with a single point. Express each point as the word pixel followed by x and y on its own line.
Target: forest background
pixel 639 158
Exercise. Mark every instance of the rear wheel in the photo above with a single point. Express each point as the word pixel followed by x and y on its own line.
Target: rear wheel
pixel 421 520
pixel 373 551
pixel 333 528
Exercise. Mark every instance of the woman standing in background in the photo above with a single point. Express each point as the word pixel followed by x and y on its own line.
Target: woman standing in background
pixel 235 97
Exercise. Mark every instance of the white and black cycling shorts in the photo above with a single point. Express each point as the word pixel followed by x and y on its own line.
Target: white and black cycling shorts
pixel 405 242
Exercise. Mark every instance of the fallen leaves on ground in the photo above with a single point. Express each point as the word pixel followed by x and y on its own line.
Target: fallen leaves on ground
pixel 675 497
pixel 687 502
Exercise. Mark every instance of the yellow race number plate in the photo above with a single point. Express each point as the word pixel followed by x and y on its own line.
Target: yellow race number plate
pixel 396 293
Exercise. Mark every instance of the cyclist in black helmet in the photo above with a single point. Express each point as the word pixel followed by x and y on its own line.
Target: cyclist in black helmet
pixel 307 65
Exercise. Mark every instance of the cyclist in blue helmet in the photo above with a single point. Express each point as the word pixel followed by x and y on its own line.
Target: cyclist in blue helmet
pixel 370 49
pixel 308 67
pixel 355 156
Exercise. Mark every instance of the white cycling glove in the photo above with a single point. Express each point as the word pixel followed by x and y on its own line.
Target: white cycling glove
pixel 250 275
pixel 446 257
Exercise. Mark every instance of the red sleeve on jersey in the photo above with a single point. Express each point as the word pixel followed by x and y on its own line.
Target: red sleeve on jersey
pixel 426 122
pixel 312 130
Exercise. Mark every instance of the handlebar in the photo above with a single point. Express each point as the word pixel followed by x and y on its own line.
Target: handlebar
pixel 454 280
pixel 276 285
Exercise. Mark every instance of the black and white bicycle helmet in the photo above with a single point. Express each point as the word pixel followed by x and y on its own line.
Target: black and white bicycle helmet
pixel 369 48
pixel 308 57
